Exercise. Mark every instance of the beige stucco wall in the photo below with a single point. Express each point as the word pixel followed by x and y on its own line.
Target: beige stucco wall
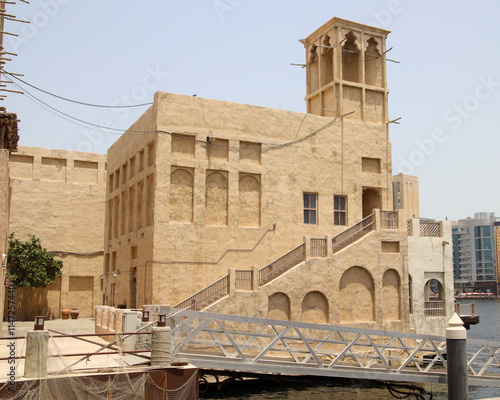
pixel 299 153
pixel 430 258
pixel 59 197
pixel 4 217
pixel 131 161
pixel 347 288
pixel 220 174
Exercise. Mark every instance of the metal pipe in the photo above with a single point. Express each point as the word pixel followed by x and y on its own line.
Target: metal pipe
pixel 88 355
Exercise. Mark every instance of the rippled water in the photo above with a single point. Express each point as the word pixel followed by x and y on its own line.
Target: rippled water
pixel 488 329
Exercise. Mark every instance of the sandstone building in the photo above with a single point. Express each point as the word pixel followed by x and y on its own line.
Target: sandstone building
pixel 8 144
pixel 200 187
pixel 59 197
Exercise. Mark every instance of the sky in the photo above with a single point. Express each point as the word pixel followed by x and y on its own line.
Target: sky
pixel 445 88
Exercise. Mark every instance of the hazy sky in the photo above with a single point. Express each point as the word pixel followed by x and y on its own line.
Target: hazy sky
pixel 446 87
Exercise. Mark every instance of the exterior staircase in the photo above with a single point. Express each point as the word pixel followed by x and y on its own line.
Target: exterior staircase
pixel 252 279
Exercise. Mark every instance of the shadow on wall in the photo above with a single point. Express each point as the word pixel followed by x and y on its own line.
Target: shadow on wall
pixel 32 302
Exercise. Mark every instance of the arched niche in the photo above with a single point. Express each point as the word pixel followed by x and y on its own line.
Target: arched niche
pixel 278 306
pixel 249 201
pixel 181 196
pixel 357 299
pixel 391 295
pixel 216 199
pixel 315 308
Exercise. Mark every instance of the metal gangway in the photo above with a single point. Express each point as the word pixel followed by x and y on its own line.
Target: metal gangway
pixel 266 346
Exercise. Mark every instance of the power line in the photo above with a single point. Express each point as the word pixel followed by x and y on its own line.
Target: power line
pixel 70 100
pixel 61 114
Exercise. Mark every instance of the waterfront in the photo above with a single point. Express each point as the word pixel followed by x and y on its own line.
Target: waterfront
pixel 487 329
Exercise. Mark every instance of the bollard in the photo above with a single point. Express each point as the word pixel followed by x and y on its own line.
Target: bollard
pixel 161 351
pixel 35 365
pixel 456 349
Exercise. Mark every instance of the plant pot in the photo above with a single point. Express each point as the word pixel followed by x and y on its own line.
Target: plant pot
pixel 75 313
pixel 65 313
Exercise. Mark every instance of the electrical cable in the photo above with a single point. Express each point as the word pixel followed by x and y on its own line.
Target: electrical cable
pixel 40 103
pixel 118 131
pixel 70 100
pixel 67 115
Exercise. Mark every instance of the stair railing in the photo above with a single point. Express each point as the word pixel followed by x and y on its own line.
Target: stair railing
pixel 353 233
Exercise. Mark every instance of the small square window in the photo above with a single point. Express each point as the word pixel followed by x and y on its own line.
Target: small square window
pixel 340 210
pixel 310 208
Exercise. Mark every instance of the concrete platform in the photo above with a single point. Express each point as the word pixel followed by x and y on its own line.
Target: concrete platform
pixel 57 346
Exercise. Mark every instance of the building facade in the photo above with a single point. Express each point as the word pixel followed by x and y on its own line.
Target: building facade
pixel 8 143
pixel 406 195
pixel 475 258
pixel 197 187
pixel 497 252
pixel 59 197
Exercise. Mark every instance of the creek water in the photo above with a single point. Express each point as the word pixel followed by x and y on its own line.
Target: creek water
pixel 487 329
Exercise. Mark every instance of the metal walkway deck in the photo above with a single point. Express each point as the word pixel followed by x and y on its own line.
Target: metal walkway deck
pixel 257 345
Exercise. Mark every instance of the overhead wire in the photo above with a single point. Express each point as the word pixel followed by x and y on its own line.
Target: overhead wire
pixel 118 131
pixel 33 97
pixel 74 101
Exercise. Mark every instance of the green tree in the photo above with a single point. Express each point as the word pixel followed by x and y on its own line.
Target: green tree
pixel 29 264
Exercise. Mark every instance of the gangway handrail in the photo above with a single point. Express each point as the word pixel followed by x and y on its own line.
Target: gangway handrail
pixel 250 344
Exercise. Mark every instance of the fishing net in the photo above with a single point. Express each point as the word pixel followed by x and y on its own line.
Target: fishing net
pixel 117 387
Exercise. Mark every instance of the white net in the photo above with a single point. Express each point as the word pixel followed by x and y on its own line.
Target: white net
pixel 117 387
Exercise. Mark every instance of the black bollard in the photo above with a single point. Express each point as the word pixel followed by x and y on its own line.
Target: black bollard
pixel 456 349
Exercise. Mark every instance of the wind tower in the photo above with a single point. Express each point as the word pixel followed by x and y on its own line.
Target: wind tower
pixel 346 71
pixel 347 79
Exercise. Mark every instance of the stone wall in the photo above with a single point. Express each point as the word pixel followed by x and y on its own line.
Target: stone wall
pixel 216 177
pixel 59 197
pixel 430 258
pixel 4 226
pixel 357 286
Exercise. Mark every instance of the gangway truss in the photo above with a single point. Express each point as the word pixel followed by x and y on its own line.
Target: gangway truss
pixel 268 346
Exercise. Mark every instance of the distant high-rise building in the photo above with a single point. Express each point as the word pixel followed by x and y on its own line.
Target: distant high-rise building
pixel 474 253
pixel 497 252
pixel 405 195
